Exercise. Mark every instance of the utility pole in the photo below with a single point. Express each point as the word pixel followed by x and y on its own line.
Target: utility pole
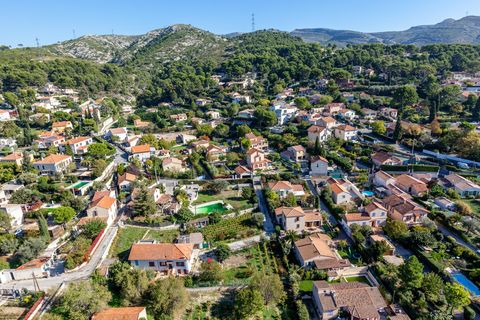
pixel 74 35
pixel 253 22
pixel 37 42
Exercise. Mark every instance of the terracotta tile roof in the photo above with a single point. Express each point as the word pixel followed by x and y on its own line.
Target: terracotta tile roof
pixel 242 170
pixel 34 264
pixel 346 127
pixel 143 148
pixel 128 177
pixel 125 313
pixel 253 150
pixel 168 161
pixel 77 140
pixel 318 158
pixel 337 188
pixel 356 216
pixel 53 159
pixel 12 157
pixel 328 120
pixel 105 202
pixel 313 216
pixel 161 251
pixel 315 247
pixel 61 124
pixel 297 148
pixel 316 129
pixel 373 206
pixel 118 130
pixel 382 157
pixel 289 212
pixel 383 175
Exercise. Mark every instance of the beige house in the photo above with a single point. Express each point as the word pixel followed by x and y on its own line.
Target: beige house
pixel 173 164
pixel 54 163
pixel 283 188
pixel 402 208
pixel 142 152
pixel 295 154
pixel 327 122
pixel 319 133
pixel 61 126
pixel 216 153
pixel 411 185
pixel 103 205
pixel 381 158
pixel 295 219
pixel 317 251
pixel 256 160
pixel 257 142
pixel 345 132
pixel 16 158
pixel 373 215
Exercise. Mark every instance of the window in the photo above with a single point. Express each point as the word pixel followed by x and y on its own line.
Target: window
pixel 136 262
pixel 180 264
pixel 298 226
pixel 162 263
pixel 151 263
pixel 297 219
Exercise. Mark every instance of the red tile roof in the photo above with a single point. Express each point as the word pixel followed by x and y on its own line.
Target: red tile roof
pixel 161 251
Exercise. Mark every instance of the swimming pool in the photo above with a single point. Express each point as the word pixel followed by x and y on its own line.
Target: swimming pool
pixel 368 193
pixel 209 208
pixel 465 282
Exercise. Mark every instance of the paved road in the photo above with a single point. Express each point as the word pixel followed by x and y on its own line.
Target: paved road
pixel 262 204
pixel 80 274
pixel 244 243
pixel 460 241
pixel 120 156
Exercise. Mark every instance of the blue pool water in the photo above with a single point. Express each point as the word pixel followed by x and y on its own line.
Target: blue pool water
pixel 368 193
pixel 464 281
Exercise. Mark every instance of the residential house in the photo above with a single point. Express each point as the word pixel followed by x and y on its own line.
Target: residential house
pixel 216 153
pixel 445 203
pixel 61 126
pixel 347 114
pixel 242 172
pixel 317 251
pixel 16 158
pixel 52 164
pixel 168 258
pixel 195 238
pixel 383 179
pixel 402 208
pixel 319 133
pixel 411 185
pixel 284 113
pixel 463 186
pixel 283 188
pixel 202 102
pixel 5 115
pixel 382 158
pixel 38 268
pixel 139 123
pixel 369 114
pixel 359 300
pixel 345 132
pixel 296 154
pixel 246 114
pixel 79 145
pixel 49 139
pixel 15 212
pixel 173 165
pixel 179 117
pixel 373 215
pixel 389 112
pixel 126 180
pixel 340 194
pixel 201 144
pixel 327 122
pixel 318 166
pixel 142 152
pixel 120 134
pixel 257 142
pixel 295 219
pixel 212 114
pixel 256 160
pixel 240 98
pixel 103 205
pixel 334 107
pixel 123 313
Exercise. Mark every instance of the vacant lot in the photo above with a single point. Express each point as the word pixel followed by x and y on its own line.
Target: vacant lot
pixel 231 197
pixel 129 235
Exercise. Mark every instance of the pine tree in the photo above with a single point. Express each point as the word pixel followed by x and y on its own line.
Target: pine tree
pixel 144 204
pixel 43 227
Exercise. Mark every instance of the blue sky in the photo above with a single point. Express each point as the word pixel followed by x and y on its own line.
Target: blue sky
pixel 51 21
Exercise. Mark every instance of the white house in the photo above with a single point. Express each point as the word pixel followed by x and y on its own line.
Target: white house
pixel 318 166
pixel 79 145
pixel 345 132
pixel 142 152
pixel 120 134
pixel 103 205
pixel 463 186
pixel 54 163
pixel 319 133
pixel 282 188
pixel 15 212
pixel 168 258
pixel 284 113
pixel 5 115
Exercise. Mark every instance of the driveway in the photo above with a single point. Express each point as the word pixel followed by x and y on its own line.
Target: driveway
pixel 79 274
pixel 245 243
pixel 262 204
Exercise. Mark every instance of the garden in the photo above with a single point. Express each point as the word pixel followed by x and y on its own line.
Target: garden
pixel 127 236
pixel 239 227
pixel 229 197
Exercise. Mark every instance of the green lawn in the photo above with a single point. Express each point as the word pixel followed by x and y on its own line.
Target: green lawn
pixel 129 235
pixel 230 229
pixel 362 279
pixel 229 197
pixel 474 204
pixel 306 285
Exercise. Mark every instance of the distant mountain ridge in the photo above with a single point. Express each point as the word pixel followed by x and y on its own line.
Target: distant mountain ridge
pixel 465 31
